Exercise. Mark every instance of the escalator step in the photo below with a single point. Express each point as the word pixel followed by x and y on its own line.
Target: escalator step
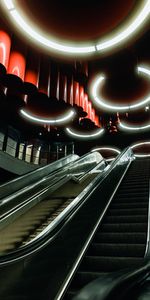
pixel 127 212
pixel 109 263
pixel 133 238
pixel 130 200
pixel 129 205
pixel 124 227
pixel 117 249
pixel 136 195
pixel 126 219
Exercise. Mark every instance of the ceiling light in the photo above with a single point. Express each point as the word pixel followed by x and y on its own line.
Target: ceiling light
pixel 135 128
pixel 66 117
pixel 9 4
pixel 84 135
pixel 106 148
pixel 140 144
pixel 117 38
pixel 97 85
pixel 126 32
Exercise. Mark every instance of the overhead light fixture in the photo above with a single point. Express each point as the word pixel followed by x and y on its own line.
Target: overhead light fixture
pixel 84 135
pixel 140 144
pixel 105 149
pixel 64 118
pixel 135 128
pixel 98 99
pixel 125 32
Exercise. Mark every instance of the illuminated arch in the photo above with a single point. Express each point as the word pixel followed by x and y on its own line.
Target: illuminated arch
pixel 83 135
pixel 61 119
pixel 140 144
pixel 133 128
pixel 106 148
pixel 102 103
pixel 105 44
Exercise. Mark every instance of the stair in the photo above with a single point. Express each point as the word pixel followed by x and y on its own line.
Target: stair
pixel 120 240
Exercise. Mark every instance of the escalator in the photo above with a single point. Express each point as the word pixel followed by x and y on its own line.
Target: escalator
pixel 31 177
pixel 19 227
pixel 120 240
pixel 44 269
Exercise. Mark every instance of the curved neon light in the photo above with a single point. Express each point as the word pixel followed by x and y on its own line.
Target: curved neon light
pixel 117 38
pixel 140 144
pixel 62 119
pixel 101 102
pixel 106 148
pixel 83 135
pixel 135 128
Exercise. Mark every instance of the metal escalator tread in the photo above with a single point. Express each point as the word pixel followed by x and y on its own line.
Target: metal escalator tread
pixel 120 240
pixel 72 189
pixel 14 234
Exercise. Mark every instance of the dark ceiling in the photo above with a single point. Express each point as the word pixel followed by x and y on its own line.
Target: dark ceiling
pixel 77 20
pixel 83 21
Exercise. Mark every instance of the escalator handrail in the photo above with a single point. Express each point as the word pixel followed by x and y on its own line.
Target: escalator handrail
pixel 58 172
pixel 99 288
pixel 18 183
pixel 63 218
pixel 108 286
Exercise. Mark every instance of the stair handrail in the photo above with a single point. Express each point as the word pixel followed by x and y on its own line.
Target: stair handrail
pixel 115 285
pixel 55 227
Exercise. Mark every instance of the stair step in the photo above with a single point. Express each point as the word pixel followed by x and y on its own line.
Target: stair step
pixel 125 219
pixel 124 227
pixel 116 237
pixel 109 263
pixel 125 212
pixel 110 249
pixel 123 205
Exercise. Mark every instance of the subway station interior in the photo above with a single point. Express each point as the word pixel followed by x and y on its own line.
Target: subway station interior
pixel 74 150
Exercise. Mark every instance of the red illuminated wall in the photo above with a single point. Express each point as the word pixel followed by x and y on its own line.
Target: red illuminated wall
pixel 17 64
pixel 5 44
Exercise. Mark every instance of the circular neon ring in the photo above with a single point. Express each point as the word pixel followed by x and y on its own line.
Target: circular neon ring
pixel 79 49
pixel 83 135
pixel 139 144
pixel 102 103
pixel 135 128
pixel 66 117
pixel 106 148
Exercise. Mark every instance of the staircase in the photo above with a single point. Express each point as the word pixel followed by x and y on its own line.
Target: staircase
pixel 120 240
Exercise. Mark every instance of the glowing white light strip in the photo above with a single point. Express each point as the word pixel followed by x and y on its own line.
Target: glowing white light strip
pixel 128 31
pixel 116 39
pixel 139 144
pixel 101 102
pixel 9 4
pixel 63 119
pixel 126 127
pixel 106 148
pixel 83 135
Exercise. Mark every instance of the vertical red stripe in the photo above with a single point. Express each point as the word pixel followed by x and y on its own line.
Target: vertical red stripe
pixel 5 44
pixel 17 65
